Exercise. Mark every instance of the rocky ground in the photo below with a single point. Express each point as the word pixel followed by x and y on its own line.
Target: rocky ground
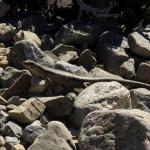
pixel 50 51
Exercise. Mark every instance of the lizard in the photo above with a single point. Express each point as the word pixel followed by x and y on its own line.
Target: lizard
pixel 72 80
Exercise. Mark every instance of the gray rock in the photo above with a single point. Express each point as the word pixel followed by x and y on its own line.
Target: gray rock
pixel 127 69
pixel 11 129
pixel 7 32
pixel 140 99
pixel 65 53
pixel 58 106
pixel 87 60
pixel 56 137
pixel 27 49
pixel 139 44
pixel 99 96
pixel 79 70
pixel 4 117
pixel 4 8
pixel 143 72
pixel 31 132
pixel 2 108
pixel 3 148
pixel 115 129
pixel 113 48
pixel 16 100
pixel 2 141
pixel 10 141
pixel 28 111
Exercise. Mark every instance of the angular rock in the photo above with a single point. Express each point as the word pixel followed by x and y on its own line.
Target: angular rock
pixel 143 72
pixel 11 129
pixel 28 111
pixel 127 69
pixel 58 106
pixel 99 96
pixel 27 49
pixel 115 129
pixel 31 132
pixel 78 70
pixel 87 60
pixel 140 99
pixel 56 137
pixel 65 53
pixel 17 89
pixel 112 50
pixel 139 43
pixel 25 35
pixel 7 32
pixel 4 8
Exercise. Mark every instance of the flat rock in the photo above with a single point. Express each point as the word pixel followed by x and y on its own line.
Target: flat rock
pixel 28 111
pixel 56 137
pixel 31 132
pixel 140 99
pixel 58 106
pixel 139 44
pixel 99 96
pixel 115 129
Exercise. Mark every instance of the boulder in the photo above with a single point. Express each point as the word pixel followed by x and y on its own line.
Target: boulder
pixel 99 96
pixel 56 137
pixel 115 129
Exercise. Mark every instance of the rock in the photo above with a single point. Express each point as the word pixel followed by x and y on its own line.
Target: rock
pixel 51 138
pixel 31 132
pixel 86 56
pixel 27 49
pixel 139 43
pixel 2 108
pixel 3 101
pixel 7 32
pixel 2 141
pixel 115 129
pixel 65 53
pixel 140 99
pixel 64 4
pixel 11 129
pixel 25 35
pixel 38 85
pixel 4 8
pixel 127 69
pixel 143 72
pixel 47 42
pixel 18 147
pixel 112 47
pixel 16 100
pixel 10 75
pixel 58 106
pixel 4 117
pixel 70 36
pixel 78 70
pixel 10 141
pixel 4 56
pixel 3 148
pixel 99 72
pixel 17 89
pixel 11 107
pixel 99 96
pixel 28 111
